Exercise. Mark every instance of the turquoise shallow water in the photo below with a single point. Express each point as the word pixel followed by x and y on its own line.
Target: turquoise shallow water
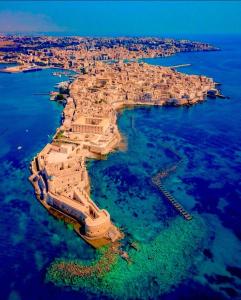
pixel 207 184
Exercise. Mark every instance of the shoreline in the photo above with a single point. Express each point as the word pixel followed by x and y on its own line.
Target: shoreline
pixel 19 68
pixel 89 130
pixel 206 135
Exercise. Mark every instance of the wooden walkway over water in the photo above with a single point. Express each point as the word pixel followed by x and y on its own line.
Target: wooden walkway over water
pixel 157 181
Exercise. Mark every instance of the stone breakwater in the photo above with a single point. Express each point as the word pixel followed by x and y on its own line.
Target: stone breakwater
pixel 89 130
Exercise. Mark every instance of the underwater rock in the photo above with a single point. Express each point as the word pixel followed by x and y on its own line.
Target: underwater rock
pixel 219 279
pixel 125 256
pixel 208 253
pixel 167 258
pixel 135 246
pixel 230 291
pixel 235 271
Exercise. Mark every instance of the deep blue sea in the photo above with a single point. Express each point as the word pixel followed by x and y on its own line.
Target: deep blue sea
pixel 208 184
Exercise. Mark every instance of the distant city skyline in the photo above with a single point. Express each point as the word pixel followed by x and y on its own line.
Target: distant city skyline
pixel 110 18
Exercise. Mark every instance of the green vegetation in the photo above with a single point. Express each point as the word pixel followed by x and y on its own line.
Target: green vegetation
pixel 154 269
pixel 70 226
pixel 59 135
pixel 60 97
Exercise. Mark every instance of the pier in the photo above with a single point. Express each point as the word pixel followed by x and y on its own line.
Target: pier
pixel 180 66
pixel 156 180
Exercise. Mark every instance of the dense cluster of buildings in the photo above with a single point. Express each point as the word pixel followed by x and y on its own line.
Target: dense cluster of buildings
pixel 76 52
pixel 109 77
pixel 89 130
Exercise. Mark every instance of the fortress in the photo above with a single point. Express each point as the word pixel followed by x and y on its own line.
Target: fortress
pixel 89 130
pixel 61 182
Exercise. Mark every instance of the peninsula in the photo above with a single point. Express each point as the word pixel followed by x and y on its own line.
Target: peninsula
pixel 89 130
pixel 110 76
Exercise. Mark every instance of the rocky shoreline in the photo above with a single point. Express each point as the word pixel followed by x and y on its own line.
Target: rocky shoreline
pixel 89 130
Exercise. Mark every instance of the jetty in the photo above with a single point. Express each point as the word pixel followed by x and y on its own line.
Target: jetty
pixel 22 68
pixel 180 66
pixel 215 93
pixel 171 199
pixel 156 180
